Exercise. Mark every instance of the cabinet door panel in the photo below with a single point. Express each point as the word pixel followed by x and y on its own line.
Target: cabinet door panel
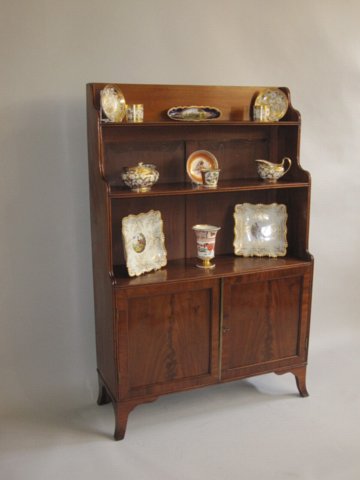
pixel 265 323
pixel 172 337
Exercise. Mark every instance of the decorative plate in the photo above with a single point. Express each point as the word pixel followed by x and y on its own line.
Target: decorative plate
pixel 144 242
pixel 276 101
pixel 193 113
pixel 260 230
pixel 113 103
pixel 198 160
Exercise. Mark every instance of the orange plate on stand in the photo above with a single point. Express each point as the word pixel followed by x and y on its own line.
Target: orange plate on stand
pixel 198 160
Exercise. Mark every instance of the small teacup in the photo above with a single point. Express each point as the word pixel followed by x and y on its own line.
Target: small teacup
pixel 210 177
pixel 135 113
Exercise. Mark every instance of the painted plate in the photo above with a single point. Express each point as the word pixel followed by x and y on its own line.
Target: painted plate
pixel 144 242
pixel 276 101
pixel 260 230
pixel 198 160
pixel 193 113
pixel 113 103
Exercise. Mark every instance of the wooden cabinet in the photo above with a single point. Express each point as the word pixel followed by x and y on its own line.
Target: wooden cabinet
pixel 182 327
pixel 265 322
pixel 172 337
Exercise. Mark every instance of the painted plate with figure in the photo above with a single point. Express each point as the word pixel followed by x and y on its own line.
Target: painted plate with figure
pixel 197 161
pixel 144 242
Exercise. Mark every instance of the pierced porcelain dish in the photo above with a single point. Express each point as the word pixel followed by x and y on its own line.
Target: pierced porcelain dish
pixel 260 230
pixel 193 113
pixel 112 103
pixel 144 242
pixel 275 101
pixel 198 161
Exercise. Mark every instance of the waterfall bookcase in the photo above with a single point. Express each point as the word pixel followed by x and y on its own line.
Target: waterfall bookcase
pixel 182 327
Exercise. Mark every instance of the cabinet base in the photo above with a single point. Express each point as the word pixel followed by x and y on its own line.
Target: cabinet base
pixel 103 397
pixel 300 377
pixel 123 408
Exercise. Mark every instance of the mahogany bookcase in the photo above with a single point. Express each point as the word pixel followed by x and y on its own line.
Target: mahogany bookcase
pixel 182 327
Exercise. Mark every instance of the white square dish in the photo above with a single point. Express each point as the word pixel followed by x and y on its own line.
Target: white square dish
pixel 260 230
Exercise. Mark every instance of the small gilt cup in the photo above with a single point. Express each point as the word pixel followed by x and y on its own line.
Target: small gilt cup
pixel 135 113
pixel 261 113
pixel 210 177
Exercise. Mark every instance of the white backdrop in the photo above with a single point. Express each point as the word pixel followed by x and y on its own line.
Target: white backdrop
pixel 49 50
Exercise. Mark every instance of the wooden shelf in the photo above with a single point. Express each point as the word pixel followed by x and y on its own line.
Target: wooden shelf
pixel 226 266
pixel 163 189
pixel 207 123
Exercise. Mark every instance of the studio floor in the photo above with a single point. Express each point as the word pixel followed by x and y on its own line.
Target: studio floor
pixel 251 429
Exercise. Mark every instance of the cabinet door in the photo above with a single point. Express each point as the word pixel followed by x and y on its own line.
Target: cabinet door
pixel 265 322
pixel 167 337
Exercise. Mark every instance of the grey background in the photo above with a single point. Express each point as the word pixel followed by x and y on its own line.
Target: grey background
pixel 49 50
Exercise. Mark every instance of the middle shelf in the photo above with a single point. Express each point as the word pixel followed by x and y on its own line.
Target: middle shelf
pixel 183 188
pixel 226 266
pixel 187 207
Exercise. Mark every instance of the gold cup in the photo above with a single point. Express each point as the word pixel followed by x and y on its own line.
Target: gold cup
pixel 135 113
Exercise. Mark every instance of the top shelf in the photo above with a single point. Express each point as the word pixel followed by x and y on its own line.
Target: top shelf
pixel 179 124
pixel 234 102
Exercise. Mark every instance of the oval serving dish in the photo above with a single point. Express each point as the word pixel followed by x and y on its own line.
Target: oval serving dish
pixel 193 113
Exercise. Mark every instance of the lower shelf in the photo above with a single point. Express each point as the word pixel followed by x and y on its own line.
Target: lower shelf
pixel 226 266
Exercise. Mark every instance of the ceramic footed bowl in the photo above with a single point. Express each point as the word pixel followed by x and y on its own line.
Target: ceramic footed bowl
pixel 141 177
